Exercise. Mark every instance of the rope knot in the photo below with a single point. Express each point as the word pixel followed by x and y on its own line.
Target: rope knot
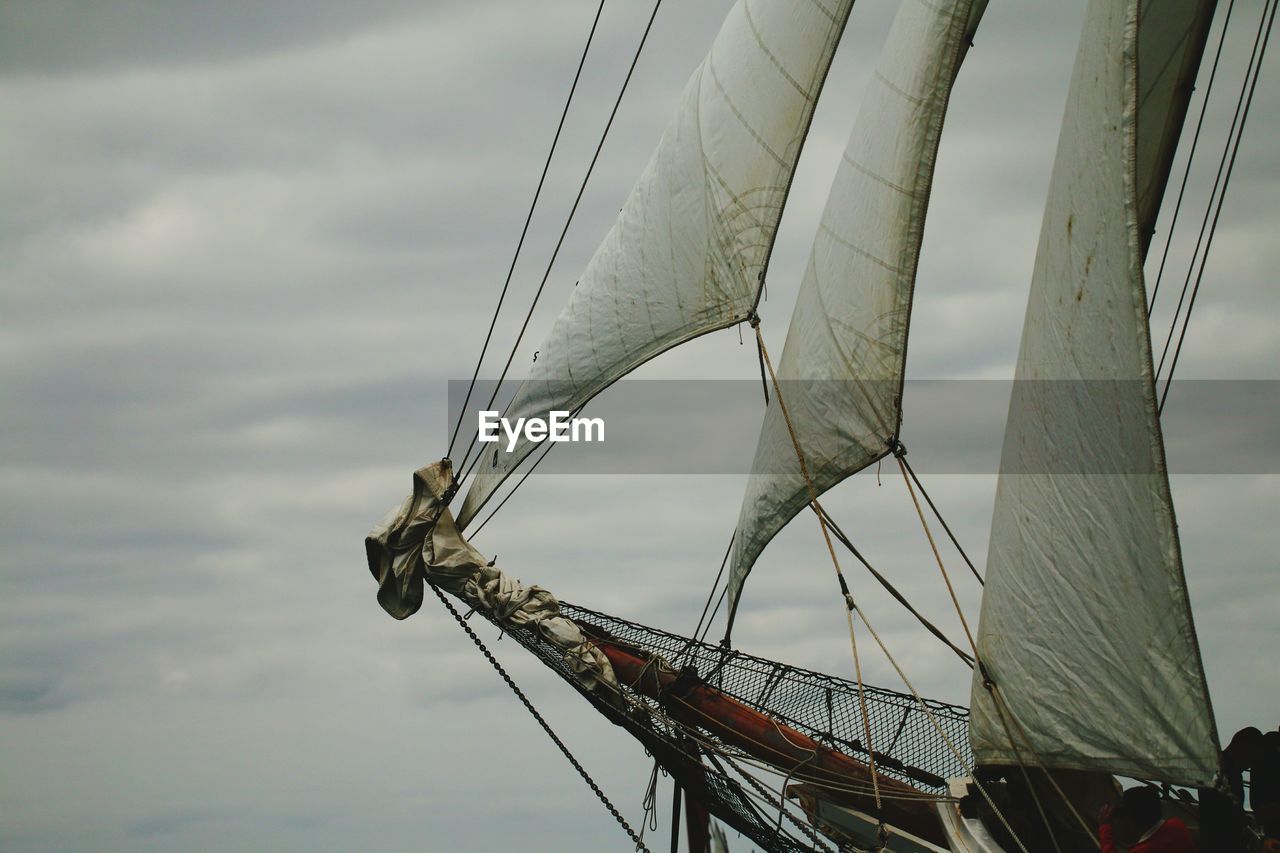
pixel 987 681
pixel 753 319
pixel 454 483
pixel 896 447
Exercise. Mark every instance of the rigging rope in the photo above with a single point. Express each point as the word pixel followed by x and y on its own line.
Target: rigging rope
pixel 892 590
pixel 573 210
pixel 462 412
pixel 941 520
pixel 1017 754
pixel 767 794
pixel 714 584
pixel 713 750
pixel 545 450
pixel 835 561
pixel 1191 156
pixel 998 700
pixel 933 720
pixel 724 590
pixel 586 777
pixel 990 685
pixel 1250 84
pixel 898 454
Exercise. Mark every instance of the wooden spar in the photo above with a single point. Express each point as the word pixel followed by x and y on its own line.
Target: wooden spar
pixel 694 702
pixel 734 722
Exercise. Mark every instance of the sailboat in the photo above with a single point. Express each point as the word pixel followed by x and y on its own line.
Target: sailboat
pixel 1084 583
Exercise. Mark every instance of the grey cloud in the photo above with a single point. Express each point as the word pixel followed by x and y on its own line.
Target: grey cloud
pixel 246 247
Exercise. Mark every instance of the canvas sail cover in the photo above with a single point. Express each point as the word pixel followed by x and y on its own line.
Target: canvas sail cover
pixel 691 243
pixel 842 365
pixel 1086 627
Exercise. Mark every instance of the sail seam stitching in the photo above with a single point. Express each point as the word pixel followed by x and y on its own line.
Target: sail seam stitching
pixel 878 178
pixel 711 66
pixel 893 87
pixel 751 24
pixel 826 229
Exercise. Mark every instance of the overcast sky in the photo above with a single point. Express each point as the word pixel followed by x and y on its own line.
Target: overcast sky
pixel 246 246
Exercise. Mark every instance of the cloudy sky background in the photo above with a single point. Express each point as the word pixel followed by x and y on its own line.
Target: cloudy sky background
pixel 245 248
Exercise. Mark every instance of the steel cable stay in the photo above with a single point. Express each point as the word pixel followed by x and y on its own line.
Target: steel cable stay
pixel 1209 222
pixel 524 231
pixel 545 450
pixel 851 608
pixel 1191 155
pixel 844 540
pixel 774 798
pixel 717 753
pixel 1250 84
pixel 565 230
pixel 938 515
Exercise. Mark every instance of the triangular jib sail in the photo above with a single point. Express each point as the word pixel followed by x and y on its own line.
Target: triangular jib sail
pixel 841 369
pixel 1086 627
pixel 690 246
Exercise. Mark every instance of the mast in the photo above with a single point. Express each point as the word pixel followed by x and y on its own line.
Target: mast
pixel 690 245
pixel 842 366
pixel 1086 630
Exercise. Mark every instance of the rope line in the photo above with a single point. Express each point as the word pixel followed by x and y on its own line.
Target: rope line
pixel 1017 754
pixel 892 590
pixel 998 700
pixel 766 794
pixel 724 562
pixel 586 777
pixel 835 561
pixel 1228 152
pixel 933 720
pixel 525 230
pixel 1191 156
pixel 724 591
pixel 572 211
pixel 1251 85
pixel 545 450
pixel 991 685
pixel 941 520
pixel 936 556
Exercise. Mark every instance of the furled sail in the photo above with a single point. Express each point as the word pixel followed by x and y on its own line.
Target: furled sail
pixel 1086 627
pixel 692 241
pixel 841 369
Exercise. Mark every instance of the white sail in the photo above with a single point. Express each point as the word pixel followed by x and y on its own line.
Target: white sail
pixel 1086 627
pixel 841 369
pixel 691 244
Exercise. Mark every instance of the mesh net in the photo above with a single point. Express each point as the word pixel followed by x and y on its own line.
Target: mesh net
pixel 907 745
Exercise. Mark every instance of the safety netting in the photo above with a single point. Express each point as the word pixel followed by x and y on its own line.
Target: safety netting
pixel 733 784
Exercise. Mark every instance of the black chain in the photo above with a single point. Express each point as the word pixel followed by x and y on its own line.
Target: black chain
pixel 586 777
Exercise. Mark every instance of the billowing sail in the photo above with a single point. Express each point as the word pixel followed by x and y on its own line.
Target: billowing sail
pixel 1086 627
pixel 692 241
pixel 841 369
